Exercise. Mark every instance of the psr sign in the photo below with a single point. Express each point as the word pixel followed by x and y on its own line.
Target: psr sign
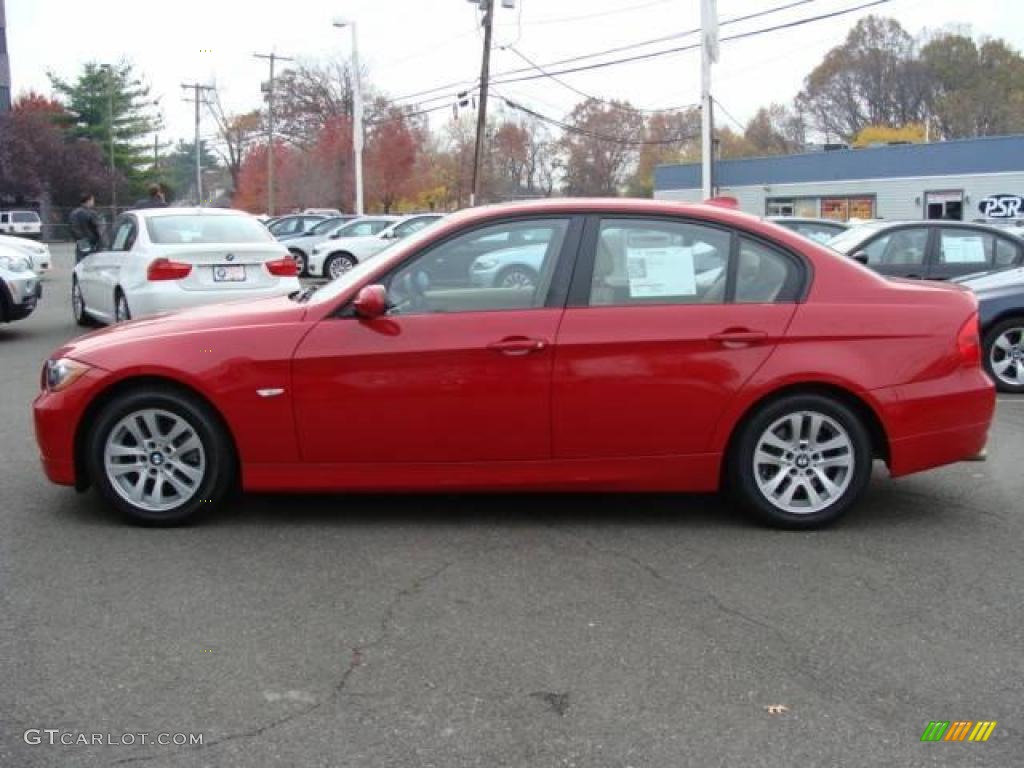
pixel 1002 206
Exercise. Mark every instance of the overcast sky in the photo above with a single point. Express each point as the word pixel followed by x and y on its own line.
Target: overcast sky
pixel 412 45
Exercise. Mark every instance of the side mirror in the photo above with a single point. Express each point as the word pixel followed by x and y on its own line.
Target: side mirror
pixel 861 256
pixel 334 235
pixel 371 302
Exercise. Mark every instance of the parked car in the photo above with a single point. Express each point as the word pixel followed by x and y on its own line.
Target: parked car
pixel 162 259
pixel 339 253
pixel 38 253
pixel 782 380
pixel 301 244
pixel 327 212
pixel 294 224
pixel 21 223
pixel 1001 315
pixel 937 250
pixel 818 230
pixel 20 289
pixel 332 254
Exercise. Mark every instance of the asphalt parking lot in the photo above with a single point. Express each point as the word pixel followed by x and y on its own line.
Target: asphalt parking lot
pixel 506 630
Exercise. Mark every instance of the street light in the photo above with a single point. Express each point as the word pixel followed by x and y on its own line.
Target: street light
pixel 357 108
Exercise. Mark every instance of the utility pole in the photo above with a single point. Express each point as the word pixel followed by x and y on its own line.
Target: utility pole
pixel 487 6
pixel 357 113
pixel 199 90
pixel 109 71
pixel 273 58
pixel 709 54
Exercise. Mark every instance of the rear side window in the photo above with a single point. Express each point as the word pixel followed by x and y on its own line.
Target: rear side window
pixel 765 275
pixel 659 262
pixel 25 217
pixel 964 246
pixel 1007 254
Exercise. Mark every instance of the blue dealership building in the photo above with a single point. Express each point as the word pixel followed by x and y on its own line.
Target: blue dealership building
pixel 938 180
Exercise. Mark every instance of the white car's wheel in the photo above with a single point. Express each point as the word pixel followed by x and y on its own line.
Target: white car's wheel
pixel 300 260
pixel 78 305
pixel 121 311
pixel 338 264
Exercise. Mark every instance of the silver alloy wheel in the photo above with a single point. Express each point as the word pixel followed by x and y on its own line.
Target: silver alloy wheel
pixel 516 278
pixel 154 459
pixel 300 261
pixel 804 462
pixel 339 266
pixel 77 302
pixel 121 311
pixel 1007 357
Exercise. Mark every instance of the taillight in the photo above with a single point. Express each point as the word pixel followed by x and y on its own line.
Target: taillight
pixel 968 342
pixel 285 267
pixel 165 269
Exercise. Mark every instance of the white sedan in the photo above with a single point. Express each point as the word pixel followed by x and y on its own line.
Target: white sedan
pixel 335 256
pixel 38 253
pixel 162 259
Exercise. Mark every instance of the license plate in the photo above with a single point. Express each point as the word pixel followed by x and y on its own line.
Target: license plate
pixel 228 273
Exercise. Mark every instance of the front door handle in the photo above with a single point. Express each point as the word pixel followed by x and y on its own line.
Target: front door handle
pixel 739 337
pixel 517 346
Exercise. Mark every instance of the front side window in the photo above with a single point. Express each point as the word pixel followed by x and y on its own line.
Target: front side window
pixel 496 268
pixel 904 246
pixel 1007 254
pixel 659 262
pixel 364 228
pixel 964 246
pixel 124 235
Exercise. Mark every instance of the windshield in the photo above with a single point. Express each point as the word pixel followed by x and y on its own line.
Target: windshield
pixel 206 229
pixel 846 241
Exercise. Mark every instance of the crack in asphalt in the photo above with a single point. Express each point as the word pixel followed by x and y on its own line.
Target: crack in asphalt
pixel 356 660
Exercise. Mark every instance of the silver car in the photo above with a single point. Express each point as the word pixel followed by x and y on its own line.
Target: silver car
pixel 20 289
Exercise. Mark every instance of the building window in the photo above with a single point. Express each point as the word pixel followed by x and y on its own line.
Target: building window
pixel 804 207
pixel 946 204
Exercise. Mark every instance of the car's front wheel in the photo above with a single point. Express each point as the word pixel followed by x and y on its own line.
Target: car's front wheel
pixel 300 260
pixel 159 456
pixel 78 305
pixel 338 264
pixel 801 461
pixel 1004 354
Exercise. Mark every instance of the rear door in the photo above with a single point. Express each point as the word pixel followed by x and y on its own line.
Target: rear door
pixel 961 251
pixel 667 320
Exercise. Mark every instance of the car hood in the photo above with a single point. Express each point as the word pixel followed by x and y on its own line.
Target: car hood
pixel 1005 280
pixel 206 319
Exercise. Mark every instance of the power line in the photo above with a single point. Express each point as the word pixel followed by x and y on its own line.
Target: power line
pixel 619 49
pixel 599 14
pixel 729 115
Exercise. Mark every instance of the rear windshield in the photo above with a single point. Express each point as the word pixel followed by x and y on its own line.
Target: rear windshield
pixel 196 228
pixel 25 217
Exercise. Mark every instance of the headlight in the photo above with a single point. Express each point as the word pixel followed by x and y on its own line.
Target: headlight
pixel 61 374
pixel 15 263
pixel 482 265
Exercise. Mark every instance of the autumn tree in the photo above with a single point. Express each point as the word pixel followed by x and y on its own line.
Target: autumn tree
pixel 310 95
pixel 235 134
pixel 391 149
pixel 776 130
pixel 670 137
pixel 873 78
pixel 600 146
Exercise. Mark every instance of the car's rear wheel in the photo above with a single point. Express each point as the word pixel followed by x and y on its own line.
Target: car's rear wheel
pixel 122 313
pixel 300 260
pixel 338 264
pixel 1004 355
pixel 159 456
pixel 801 461
pixel 517 277
pixel 78 305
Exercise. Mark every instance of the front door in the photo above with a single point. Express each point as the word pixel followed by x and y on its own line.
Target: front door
pixel 671 321
pixel 448 375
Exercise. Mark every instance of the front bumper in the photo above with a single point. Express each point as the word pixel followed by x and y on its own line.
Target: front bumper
pixel 56 416
pixel 24 292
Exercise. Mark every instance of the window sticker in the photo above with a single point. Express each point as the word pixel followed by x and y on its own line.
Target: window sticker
pixel 658 272
pixel 963 250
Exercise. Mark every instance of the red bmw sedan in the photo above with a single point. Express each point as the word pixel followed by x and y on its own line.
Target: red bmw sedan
pixel 562 345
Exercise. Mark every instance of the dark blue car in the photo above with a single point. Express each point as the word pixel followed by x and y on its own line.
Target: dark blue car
pixel 1001 315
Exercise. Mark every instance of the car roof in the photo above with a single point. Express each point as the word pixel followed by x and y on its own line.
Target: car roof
pixel 809 220
pixel 151 213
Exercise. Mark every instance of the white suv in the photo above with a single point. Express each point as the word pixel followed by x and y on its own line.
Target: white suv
pixel 24 223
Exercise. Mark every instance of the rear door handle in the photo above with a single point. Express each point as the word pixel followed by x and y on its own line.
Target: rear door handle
pixel 739 337
pixel 517 345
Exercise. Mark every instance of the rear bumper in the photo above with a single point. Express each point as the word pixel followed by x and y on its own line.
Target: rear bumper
pixel 152 300
pixel 937 422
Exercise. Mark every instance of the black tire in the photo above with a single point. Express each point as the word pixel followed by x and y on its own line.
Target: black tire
pixel 987 350
pixel 122 312
pixel 338 258
pixel 220 465
pixel 524 273
pixel 740 471
pixel 300 261
pixel 82 317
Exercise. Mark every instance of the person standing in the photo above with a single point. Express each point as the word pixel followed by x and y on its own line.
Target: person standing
pixel 156 198
pixel 85 227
